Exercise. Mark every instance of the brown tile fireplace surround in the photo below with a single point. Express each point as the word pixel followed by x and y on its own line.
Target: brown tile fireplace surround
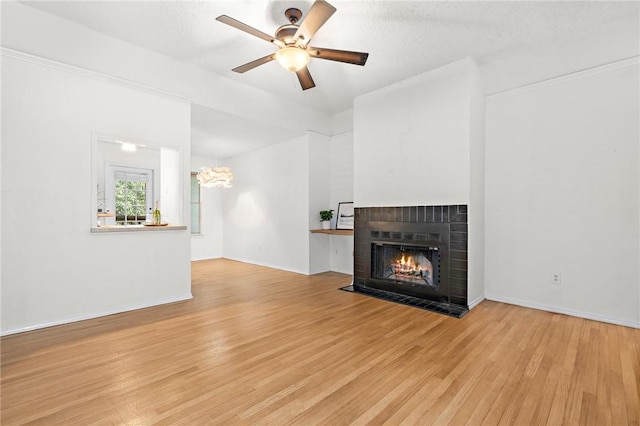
pixel 413 255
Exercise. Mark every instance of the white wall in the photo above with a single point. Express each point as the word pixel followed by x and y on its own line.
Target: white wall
pixel 266 213
pixel 341 250
pixel 476 209
pixel 53 269
pixel 277 194
pixel 208 245
pixel 562 194
pixel 412 140
pixel 319 195
pixel 172 176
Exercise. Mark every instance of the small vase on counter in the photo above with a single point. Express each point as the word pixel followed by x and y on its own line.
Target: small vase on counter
pixel 157 217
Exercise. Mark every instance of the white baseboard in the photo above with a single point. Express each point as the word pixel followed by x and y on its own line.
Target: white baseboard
pixel 565 311
pixel 267 265
pixel 475 302
pixel 205 258
pixel 284 268
pixel 97 315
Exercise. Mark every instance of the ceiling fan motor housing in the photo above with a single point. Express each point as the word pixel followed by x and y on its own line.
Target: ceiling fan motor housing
pixel 285 33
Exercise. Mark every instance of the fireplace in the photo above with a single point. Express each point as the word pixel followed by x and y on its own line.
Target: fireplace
pixel 414 253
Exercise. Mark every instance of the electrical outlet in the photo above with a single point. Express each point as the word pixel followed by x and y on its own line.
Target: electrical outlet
pixel 556 278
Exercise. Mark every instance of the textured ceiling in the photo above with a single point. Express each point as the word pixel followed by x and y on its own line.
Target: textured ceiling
pixel 403 38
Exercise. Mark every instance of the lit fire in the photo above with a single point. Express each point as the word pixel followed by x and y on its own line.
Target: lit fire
pixel 406 266
pixel 410 266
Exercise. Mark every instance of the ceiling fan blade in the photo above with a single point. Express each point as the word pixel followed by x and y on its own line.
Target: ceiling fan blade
pixel 319 13
pixel 247 29
pixel 305 79
pixel 251 65
pixel 356 58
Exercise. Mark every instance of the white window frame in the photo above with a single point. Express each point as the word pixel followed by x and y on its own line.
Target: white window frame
pixel 135 173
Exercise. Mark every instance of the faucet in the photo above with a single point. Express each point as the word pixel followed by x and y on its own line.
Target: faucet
pixel 103 206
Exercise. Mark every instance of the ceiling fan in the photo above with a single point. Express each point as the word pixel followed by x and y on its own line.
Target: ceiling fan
pixel 293 40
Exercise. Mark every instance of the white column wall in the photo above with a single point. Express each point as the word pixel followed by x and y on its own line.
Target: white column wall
pixel 421 142
pixel 341 250
pixel 476 212
pixel 319 195
pixel 412 140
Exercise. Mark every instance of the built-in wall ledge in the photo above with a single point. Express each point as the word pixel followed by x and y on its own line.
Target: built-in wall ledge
pixel 136 228
pixel 332 231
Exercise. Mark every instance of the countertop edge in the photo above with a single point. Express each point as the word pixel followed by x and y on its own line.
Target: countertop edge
pixel 136 228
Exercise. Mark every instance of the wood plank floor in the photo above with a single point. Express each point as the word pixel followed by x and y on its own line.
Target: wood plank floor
pixel 262 346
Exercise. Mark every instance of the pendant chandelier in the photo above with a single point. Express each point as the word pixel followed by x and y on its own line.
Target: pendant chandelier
pixel 215 177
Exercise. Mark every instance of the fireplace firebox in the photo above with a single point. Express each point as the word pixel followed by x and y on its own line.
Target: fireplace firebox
pixel 405 264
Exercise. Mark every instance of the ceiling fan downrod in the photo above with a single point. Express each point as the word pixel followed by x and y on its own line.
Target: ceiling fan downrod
pixel 293 15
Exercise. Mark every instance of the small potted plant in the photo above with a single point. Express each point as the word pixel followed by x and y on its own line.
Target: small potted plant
pixel 325 218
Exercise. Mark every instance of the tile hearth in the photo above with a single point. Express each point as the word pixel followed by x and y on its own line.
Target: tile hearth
pixel 455 311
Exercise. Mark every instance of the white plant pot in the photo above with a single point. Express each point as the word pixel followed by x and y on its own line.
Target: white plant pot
pixel 326 224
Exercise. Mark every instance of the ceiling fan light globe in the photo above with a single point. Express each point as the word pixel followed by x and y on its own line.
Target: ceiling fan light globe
pixel 292 58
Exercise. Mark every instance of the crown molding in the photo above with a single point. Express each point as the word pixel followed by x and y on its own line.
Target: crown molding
pixel 72 69
pixel 564 78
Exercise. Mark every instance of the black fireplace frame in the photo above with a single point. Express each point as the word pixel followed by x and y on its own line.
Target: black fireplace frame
pixel 435 235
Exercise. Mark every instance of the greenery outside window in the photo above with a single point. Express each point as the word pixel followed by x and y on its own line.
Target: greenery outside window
pixel 131 194
pixel 131 202
pixel 195 205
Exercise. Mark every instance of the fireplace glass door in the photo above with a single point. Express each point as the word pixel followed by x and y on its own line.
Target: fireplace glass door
pixel 402 264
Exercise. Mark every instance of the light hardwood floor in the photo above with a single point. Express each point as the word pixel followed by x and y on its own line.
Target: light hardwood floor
pixel 262 346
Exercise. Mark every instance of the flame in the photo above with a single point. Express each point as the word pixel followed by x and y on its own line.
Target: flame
pixel 405 265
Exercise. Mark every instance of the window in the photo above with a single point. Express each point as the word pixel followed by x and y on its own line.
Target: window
pixel 195 205
pixel 130 193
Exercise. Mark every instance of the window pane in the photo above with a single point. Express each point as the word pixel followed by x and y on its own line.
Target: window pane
pixel 195 205
pixel 195 219
pixel 195 189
